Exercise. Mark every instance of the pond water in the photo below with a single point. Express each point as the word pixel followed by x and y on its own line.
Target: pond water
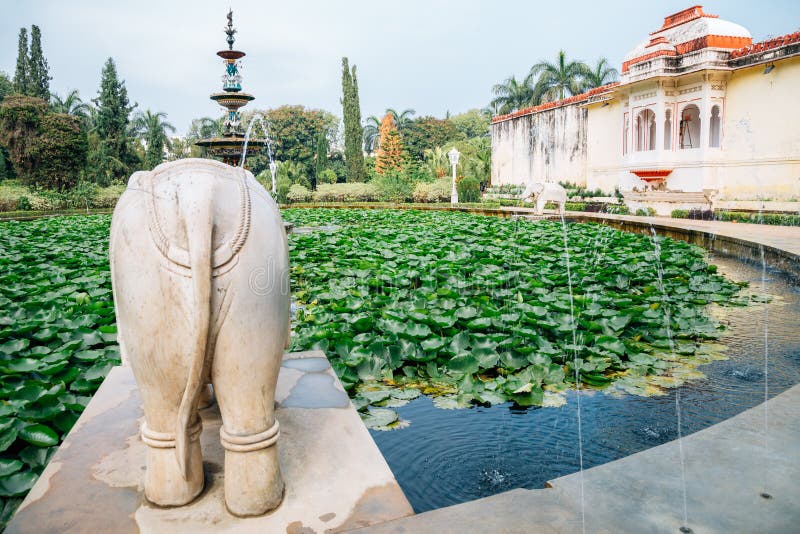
pixel 447 457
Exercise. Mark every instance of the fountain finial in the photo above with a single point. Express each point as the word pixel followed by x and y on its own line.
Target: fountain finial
pixel 230 30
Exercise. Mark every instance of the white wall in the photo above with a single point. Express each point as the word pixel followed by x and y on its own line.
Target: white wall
pixel 761 133
pixel 548 146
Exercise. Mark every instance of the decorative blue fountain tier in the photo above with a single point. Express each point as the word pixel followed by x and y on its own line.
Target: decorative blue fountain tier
pixel 229 146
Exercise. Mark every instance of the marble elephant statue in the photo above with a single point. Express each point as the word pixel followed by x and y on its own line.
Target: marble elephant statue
pixel 199 269
pixel 545 192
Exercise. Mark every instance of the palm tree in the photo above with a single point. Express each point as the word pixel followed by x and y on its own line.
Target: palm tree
pixel 602 74
pixel 401 120
pixel 437 161
pixel 71 104
pixel 151 128
pixel 511 95
pixel 559 79
pixel 372 134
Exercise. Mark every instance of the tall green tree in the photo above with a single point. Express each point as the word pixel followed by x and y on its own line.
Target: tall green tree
pixel 321 158
pixel 600 75
pixel 115 157
pixel 512 94
pixel 353 132
pixel 472 123
pixel 6 85
pixel 38 81
pixel 559 79
pixel 21 74
pixel 424 133
pixel 152 128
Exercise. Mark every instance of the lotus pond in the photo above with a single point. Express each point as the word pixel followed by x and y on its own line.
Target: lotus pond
pixel 439 325
pixel 382 277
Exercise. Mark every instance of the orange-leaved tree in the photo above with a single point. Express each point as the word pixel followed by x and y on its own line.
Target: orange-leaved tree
pixel 390 154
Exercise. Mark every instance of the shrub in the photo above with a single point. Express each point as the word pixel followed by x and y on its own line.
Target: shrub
pixel 298 193
pixel 575 206
pixel 327 176
pixel 617 209
pixel 641 212
pixel 107 197
pixel 347 192
pixel 469 189
pixel 282 186
pixel 506 189
pixel 83 195
pixel 23 204
pixel 393 186
pixel 47 149
pixel 418 173
pixel 437 191
pixel 679 214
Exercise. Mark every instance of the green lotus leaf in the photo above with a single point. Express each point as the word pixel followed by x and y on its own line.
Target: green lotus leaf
pixel 610 343
pixel 463 363
pixel 20 365
pixel 39 435
pixel 379 418
pixel 17 483
pixel 9 466
pixel 36 457
pixel 416 330
pixel 433 343
pixel 14 346
pixel 7 438
pixel 467 312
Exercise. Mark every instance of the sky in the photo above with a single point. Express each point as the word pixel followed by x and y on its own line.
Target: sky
pixel 432 56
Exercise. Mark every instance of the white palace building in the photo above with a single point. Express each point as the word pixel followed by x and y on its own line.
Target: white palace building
pixel 701 117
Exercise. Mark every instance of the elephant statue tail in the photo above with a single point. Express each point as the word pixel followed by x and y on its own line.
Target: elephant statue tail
pixel 197 213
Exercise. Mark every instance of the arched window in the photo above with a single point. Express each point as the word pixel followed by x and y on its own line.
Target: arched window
pixel 668 130
pixel 689 127
pixel 645 130
pixel 715 130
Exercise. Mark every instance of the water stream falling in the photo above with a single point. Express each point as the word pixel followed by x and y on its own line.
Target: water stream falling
pixel 765 494
pixel 668 325
pixel 577 370
pixel 261 120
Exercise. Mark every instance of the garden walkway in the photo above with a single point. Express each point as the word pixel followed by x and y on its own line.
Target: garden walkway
pixel 781 237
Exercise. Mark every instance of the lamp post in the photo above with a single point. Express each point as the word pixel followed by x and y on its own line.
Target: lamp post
pixel 273 168
pixel 453 155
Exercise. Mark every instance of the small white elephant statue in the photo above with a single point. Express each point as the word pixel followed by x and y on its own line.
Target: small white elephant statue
pixel 545 192
pixel 200 274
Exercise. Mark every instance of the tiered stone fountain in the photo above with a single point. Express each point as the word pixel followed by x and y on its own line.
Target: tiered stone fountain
pixel 230 144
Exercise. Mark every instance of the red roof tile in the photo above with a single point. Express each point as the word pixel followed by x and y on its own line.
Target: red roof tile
pixel 556 103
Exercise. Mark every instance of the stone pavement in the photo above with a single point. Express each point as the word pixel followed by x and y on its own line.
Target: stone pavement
pixel 782 237
pixel 727 469
pixel 336 478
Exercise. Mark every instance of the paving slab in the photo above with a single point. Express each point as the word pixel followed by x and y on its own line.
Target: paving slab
pixel 727 469
pixel 336 478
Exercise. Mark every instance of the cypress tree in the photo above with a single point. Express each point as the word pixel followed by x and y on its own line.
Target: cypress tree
pixel 353 132
pixel 38 76
pixel 21 74
pixel 115 157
